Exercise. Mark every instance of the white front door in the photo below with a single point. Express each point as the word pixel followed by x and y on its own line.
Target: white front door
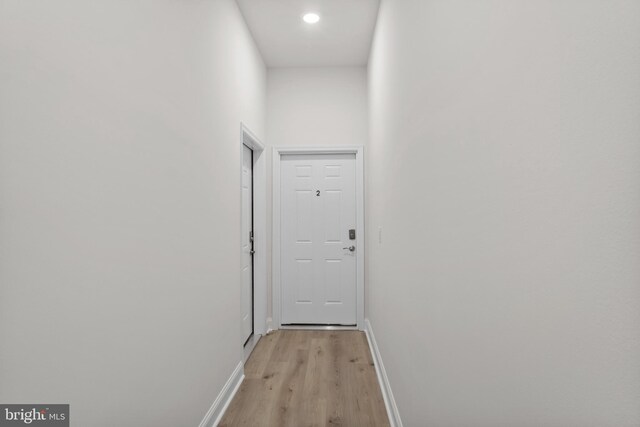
pixel 247 243
pixel 318 258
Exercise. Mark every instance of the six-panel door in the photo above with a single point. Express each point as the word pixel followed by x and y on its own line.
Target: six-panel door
pixel 318 208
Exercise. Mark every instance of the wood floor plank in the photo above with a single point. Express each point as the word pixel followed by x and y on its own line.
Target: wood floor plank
pixel 284 344
pixel 286 412
pixel 316 383
pixel 309 379
pixel 255 366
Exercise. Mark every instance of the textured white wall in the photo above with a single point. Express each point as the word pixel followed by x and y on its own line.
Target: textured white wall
pixel 314 107
pixel 505 171
pixel 120 205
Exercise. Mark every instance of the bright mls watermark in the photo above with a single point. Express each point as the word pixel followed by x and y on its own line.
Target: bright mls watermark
pixel 35 415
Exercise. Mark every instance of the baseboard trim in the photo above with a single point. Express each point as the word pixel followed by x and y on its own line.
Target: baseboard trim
pixel 215 413
pixel 250 346
pixel 387 394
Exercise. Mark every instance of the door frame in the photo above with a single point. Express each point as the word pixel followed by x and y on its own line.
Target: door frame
pixel 249 139
pixel 278 152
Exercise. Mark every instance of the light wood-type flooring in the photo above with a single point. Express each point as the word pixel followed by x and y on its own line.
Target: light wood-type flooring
pixel 299 378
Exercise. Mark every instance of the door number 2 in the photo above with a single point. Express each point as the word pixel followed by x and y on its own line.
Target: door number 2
pixel 317 193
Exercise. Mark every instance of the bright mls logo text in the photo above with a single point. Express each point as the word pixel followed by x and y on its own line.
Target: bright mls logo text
pixel 38 415
pixel 31 415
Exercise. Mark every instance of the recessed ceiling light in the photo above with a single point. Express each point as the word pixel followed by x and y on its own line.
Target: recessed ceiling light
pixel 311 18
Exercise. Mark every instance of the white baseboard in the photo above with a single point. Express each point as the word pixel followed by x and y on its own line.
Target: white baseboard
pixel 387 394
pixel 215 413
pixel 250 346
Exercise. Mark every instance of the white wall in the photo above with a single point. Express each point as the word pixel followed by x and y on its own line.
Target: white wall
pixel 505 171
pixel 317 106
pixel 314 107
pixel 120 205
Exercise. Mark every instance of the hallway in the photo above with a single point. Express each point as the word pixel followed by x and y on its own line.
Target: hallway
pixel 457 182
pixel 309 378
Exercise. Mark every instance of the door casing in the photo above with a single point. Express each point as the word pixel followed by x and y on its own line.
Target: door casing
pixel 247 244
pixel 260 235
pixel 278 152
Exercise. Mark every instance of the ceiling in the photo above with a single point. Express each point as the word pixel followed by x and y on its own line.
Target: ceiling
pixel 341 38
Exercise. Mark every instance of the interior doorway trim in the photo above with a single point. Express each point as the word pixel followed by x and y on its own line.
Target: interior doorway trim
pixel 278 152
pixel 249 139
